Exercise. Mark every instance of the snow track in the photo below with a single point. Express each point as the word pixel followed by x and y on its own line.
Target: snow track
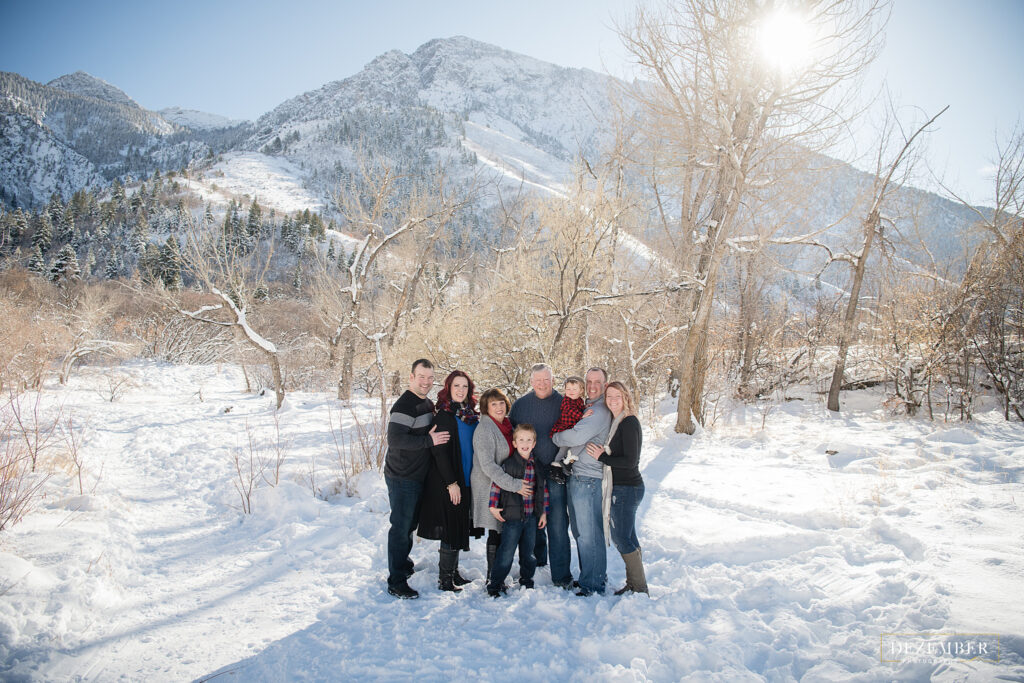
pixel 767 557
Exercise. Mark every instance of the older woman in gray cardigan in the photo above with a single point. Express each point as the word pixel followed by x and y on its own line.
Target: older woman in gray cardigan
pixel 492 443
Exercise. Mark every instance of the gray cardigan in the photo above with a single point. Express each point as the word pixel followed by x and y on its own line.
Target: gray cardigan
pixel 489 450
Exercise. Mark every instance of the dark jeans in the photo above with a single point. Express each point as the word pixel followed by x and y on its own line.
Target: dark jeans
pixel 559 552
pixel 520 534
pixel 405 496
pixel 625 501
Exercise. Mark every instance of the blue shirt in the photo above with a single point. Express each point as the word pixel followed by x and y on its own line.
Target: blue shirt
pixel 542 413
pixel 466 446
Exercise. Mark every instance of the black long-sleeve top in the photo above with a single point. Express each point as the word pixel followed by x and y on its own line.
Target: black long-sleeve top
pixel 625 453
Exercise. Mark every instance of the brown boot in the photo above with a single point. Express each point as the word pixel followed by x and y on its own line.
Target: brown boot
pixel 636 580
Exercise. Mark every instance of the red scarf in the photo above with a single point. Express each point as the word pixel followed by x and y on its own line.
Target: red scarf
pixel 506 428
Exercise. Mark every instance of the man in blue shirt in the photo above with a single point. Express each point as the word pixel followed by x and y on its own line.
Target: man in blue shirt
pixel 540 408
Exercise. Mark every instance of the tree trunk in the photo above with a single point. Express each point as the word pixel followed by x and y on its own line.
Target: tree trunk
pixel 846 333
pixel 345 382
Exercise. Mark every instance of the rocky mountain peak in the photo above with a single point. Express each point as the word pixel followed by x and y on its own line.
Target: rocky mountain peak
pixel 81 83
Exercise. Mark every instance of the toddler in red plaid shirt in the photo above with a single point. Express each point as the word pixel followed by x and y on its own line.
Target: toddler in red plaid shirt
pixel 572 409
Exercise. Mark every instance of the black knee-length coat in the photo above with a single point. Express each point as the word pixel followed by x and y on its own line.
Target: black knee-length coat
pixel 439 519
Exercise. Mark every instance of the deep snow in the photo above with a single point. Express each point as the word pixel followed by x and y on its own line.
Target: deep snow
pixel 782 553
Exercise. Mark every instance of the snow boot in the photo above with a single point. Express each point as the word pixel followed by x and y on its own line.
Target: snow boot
pixel 636 580
pixel 446 570
pixel 403 590
pixel 457 578
pixel 492 552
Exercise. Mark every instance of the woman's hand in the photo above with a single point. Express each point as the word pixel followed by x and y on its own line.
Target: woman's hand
pixel 594 451
pixel 543 521
pixel 526 490
pixel 496 513
pixel 455 493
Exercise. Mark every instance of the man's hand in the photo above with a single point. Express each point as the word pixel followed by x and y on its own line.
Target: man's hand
pixel 454 492
pixel 438 437
pixel 543 521
pixel 496 512
pixel 526 490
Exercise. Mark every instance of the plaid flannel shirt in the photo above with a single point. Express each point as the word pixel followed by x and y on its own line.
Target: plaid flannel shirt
pixel 528 478
pixel 571 413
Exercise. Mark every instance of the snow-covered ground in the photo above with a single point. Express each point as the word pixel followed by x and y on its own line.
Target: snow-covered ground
pixel 273 181
pixel 783 553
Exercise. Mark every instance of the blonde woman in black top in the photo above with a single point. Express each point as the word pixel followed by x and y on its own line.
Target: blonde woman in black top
pixel 621 453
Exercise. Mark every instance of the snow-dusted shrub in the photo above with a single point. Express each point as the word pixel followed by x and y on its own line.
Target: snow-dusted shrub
pixel 20 444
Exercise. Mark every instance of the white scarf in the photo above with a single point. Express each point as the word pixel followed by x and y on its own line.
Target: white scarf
pixel 606 482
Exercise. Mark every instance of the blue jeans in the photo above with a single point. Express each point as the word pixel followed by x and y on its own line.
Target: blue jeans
pixel 625 501
pixel 405 496
pixel 559 551
pixel 522 534
pixel 585 499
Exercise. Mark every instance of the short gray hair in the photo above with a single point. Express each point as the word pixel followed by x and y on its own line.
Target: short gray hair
pixel 541 367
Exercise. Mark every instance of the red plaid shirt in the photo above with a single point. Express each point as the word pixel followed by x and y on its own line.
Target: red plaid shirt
pixel 570 414
pixel 528 478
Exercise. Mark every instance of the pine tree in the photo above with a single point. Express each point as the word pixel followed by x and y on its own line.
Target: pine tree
pixel 297 275
pixel 36 262
pixel 149 264
pixel 65 231
pixel 113 270
pixel 170 264
pixel 19 227
pixel 65 266
pixel 254 224
pixel 331 256
pixel 140 236
pixel 43 236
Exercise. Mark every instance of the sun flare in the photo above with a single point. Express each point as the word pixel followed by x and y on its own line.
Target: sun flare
pixel 784 38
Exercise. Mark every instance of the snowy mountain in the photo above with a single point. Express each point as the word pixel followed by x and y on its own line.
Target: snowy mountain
pixel 473 108
pixel 81 132
pixel 198 120
pixel 456 100
pixel 81 83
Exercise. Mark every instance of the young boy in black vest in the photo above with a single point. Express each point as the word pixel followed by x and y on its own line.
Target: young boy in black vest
pixel 520 517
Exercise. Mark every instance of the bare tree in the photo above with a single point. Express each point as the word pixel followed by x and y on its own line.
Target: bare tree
pixel 890 170
pixel 384 208
pixel 723 114
pixel 232 272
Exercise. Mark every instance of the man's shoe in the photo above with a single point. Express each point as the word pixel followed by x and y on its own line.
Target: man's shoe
pixel 403 591
pixel 460 580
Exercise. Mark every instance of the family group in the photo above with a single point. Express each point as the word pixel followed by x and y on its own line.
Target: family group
pixel 527 473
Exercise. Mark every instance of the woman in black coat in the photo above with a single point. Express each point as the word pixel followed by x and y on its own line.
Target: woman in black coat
pixel 445 509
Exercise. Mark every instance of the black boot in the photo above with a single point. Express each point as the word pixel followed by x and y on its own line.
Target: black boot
pixel 457 578
pixel 446 570
pixel 492 552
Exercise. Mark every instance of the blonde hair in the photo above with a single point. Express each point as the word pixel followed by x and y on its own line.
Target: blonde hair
pixel 577 380
pixel 493 395
pixel 627 399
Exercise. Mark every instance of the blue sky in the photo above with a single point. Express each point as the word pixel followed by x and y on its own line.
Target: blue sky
pixel 241 59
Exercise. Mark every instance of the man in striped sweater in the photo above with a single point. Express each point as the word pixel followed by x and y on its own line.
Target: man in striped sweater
pixel 410 438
